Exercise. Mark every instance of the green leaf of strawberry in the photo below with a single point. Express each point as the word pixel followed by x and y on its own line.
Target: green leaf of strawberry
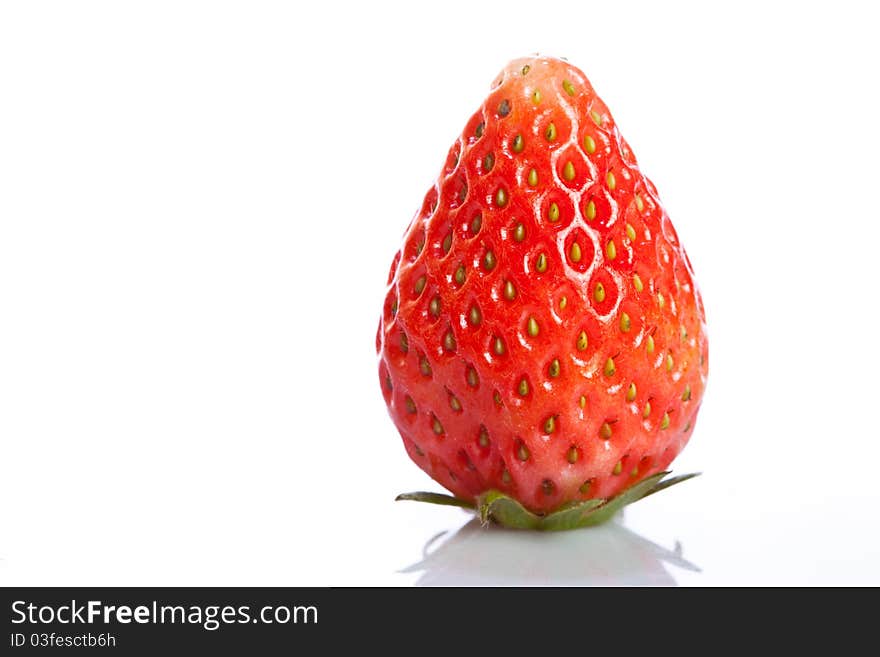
pixel 435 498
pixel 542 341
pixel 504 510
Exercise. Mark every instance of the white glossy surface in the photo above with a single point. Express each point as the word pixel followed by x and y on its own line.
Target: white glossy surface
pixel 198 206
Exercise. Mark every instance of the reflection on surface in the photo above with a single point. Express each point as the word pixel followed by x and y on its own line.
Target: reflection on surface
pixel 606 555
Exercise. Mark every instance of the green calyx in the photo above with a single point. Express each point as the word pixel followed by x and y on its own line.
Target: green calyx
pixel 499 508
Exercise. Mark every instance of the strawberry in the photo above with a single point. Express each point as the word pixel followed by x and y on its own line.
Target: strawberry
pixel 543 343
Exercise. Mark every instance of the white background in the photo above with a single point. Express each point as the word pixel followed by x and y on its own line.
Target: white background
pixel 199 202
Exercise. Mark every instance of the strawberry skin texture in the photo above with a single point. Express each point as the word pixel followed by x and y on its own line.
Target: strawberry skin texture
pixel 542 332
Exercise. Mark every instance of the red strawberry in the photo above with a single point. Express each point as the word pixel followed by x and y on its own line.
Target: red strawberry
pixel 542 335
